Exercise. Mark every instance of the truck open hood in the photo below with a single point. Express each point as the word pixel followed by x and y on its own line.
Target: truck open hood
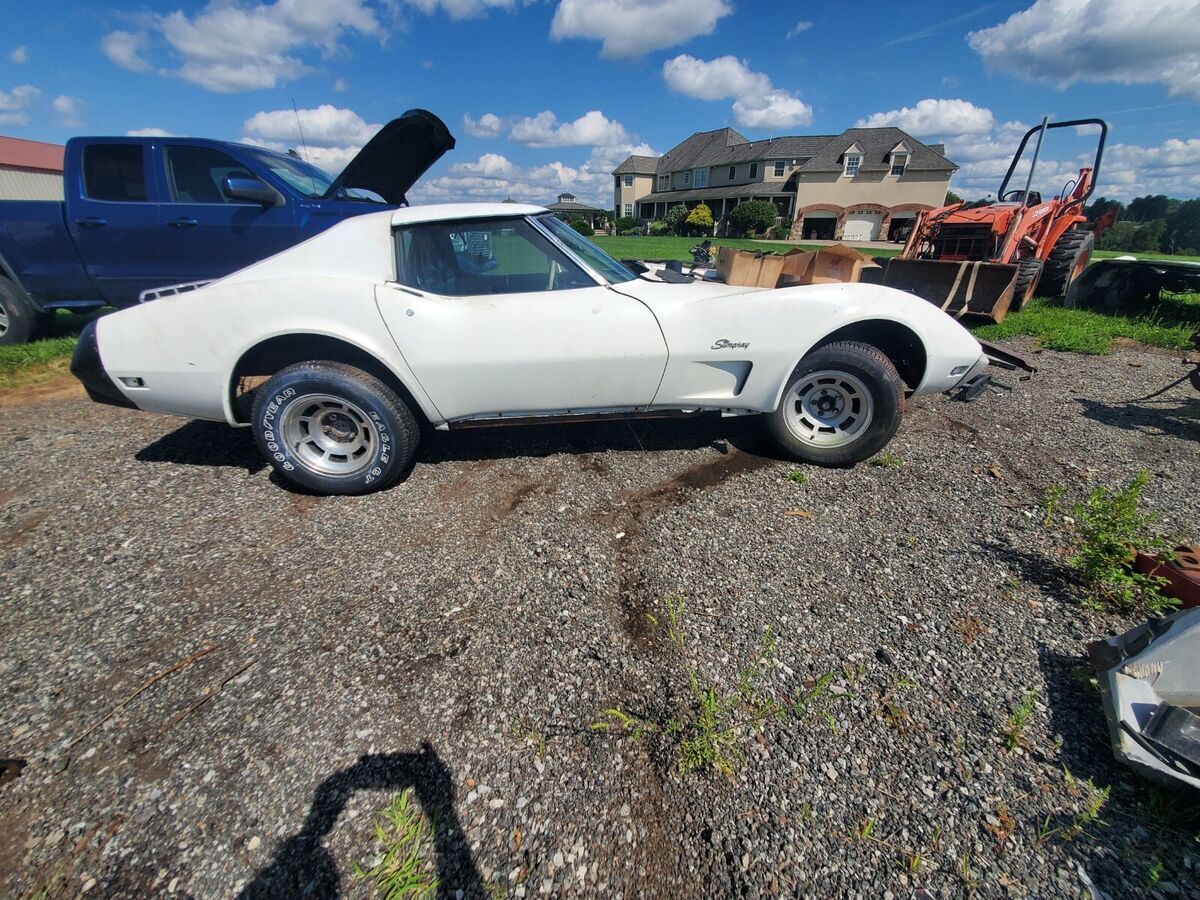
pixel 392 161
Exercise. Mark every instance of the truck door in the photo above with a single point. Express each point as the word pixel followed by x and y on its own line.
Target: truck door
pixel 113 219
pixel 207 235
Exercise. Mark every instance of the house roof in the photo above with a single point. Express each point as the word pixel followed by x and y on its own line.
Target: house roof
pixel 571 206
pixel 23 154
pixel 817 153
pixel 753 189
pixel 876 144
pixel 637 165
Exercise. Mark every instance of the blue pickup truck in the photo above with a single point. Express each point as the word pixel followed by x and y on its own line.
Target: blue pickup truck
pixel 142 213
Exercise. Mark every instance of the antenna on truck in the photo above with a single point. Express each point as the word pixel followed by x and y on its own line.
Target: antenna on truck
pixel 312 181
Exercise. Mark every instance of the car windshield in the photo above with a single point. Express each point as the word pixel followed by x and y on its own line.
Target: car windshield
pixel 611 270
pixel 304 177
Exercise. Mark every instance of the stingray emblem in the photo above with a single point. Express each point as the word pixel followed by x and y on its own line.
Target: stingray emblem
pixel 726 344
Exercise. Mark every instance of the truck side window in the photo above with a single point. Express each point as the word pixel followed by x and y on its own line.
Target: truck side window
pixel 195 174
pixel 114 172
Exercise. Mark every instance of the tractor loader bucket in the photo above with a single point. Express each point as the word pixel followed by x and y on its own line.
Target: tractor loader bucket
pixel 966 288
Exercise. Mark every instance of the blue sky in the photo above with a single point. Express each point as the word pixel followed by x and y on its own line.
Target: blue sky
pixel 550 96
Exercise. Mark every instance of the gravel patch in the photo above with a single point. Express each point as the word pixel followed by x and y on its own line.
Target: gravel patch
pixel 216 681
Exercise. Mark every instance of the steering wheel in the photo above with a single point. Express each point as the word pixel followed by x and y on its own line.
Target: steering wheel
pixel 1012 197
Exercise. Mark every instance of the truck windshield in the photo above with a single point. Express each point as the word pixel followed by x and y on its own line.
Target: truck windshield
pixel 611 270
pixel 305 178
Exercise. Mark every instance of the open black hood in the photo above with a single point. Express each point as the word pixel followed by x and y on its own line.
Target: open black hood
pixel 392 161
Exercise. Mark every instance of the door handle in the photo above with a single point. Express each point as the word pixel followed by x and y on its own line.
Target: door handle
pixel 91 222
pixel 183 223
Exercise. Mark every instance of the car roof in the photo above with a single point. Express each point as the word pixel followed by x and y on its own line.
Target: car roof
pixel 441 212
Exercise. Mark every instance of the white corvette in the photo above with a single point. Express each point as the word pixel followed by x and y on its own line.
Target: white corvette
pixel 336 351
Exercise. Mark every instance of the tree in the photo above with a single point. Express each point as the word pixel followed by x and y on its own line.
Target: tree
pixel 700 219
pixel 676 216
pixel 952 198
pixel 1182 233
pixel 582 226
pixel 1148 208
pixel 1100 206
pixel 751 217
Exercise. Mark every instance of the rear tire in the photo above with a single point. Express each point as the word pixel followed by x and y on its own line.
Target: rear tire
pixel 333 429
pixel 1070 256
pixel 1025 285
pixel 17 315
pixel 842 404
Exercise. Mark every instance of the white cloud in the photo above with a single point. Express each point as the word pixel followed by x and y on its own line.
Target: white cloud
pixel 332 135
pixel 15 103
pixel 494 177
pixel 227 48
pixel 757 102
pixel 800 27
pixel 777 109
pixel 930 116
pixel 592 128
pixel 341 86
pixel 124 48
pixel 20 55
pixel 149 132
pixel 68 110
pixel 725 76
pixel 466 9
pixel 487 126
pixel 1122 41
pixel 629 28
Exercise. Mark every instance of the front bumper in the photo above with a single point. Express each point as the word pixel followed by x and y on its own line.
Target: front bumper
pixel 87 366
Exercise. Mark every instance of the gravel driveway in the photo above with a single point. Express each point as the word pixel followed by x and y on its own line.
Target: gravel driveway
pixel 216 682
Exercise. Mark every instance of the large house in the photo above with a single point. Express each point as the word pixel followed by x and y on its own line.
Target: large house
pixel 863 184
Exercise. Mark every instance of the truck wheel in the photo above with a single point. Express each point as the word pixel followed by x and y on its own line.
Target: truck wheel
pixel 1070 256
pixel 1026 284
pixel 842 404
pixel 333 429
pixel 16 315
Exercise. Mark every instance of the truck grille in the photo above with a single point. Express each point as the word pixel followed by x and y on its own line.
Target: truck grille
pixel 963 242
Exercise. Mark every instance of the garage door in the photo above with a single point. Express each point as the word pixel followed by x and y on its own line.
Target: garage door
pixel 862 227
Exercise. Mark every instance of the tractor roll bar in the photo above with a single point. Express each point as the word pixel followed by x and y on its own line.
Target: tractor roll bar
pixel 1038 129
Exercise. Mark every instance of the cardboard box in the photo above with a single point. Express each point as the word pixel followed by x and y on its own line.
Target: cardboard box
pixel 829 265
pixel 747 268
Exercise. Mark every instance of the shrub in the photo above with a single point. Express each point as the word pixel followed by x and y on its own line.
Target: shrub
pixel 751 217
pixel 676 217
pixel 658 227
pixel 625 224
pixel 635 231
pixel 781 232
pixel 582 226
pixel 700 219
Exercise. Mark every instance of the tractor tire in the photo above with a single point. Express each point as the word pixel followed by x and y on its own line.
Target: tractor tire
pixel 1025 285
pixel 16 315
pixel 1067 260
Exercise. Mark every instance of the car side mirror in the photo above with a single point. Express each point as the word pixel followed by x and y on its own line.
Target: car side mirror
pixel 251 189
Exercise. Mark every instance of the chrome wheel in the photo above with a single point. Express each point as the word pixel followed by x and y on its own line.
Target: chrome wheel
pixel 3 320
pixel 828 409
pixel 328 435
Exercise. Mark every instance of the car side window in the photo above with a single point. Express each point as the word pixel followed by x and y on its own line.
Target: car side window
pixel 483 256
pixel 195 174
pixel 114 172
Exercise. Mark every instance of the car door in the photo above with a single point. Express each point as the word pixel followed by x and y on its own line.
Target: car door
pixel 207 235
pixel 495 319
pixel 113 219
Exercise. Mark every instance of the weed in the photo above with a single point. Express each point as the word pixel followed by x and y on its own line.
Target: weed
pixel 1108 529
pixel 796 476
pixel 965 873
pixel 1091 804
pixel 713 740
pixel 1013 733
pixel 613 719
pixel 1004 827
pixel 1154 876
pixel 970 628
pixel 912 862
pixel 865 829
pixel 1052 504
pixel 402 869
pixel 887 461
pixel 527 734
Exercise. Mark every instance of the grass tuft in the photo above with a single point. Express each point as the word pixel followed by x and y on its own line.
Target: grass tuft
pixel 403 835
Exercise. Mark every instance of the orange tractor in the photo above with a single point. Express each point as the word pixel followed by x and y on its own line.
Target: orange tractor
pixel 986 260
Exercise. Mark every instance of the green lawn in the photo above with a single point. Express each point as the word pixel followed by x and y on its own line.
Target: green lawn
pixel 1055 327
pixel 25 364
pixel 679 247
pixel 1109 254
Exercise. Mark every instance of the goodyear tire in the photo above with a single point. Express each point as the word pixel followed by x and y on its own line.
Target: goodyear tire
pixel 842 404
pixel 333 429
pixel 17 316
pixel 1067 260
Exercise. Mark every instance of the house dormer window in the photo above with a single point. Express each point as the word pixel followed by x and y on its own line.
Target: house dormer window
pixel 779 168
pixel 753 171
pixel 853 161
pixel 664 182
pixel 899 163
pixel 701 179
pixel 732 172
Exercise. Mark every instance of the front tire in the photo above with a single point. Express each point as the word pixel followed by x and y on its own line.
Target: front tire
pixel 842 404
pixel 17 316
pixel 1067 260
pixel 333 429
